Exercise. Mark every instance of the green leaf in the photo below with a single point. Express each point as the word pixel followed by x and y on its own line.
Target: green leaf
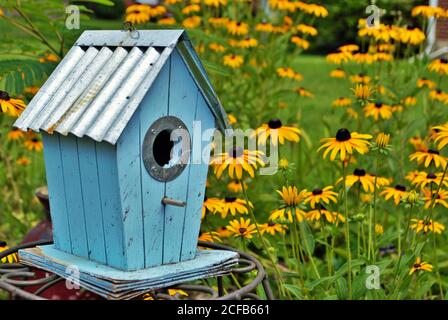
pixel 295 290
pixel 307 237
pixel 342 289
pixel 359 285
pixel 103 2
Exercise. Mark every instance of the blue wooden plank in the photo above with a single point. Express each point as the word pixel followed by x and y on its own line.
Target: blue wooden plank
pixel 129 171
pixel 73 195
pixel 153 107
pixel 56 192
pixel 111 204
pixel 197 178
pixel 92 199
pixel 182 104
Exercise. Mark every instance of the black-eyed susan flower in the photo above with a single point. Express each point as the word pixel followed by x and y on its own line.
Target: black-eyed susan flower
pixel 233 61
pixel 426 226
pixel 363 92
pixel 339 57
pixel 441 136
pixel 359 176
pixel 312 9
pixel 338 73
pixel 168 21
pixel 33 144
pixel 349 48
pixel 264 27
pixel 439 95
pixel 424 82
pixel 380 181
pixel 157 11
pixel 237 28
pixel 410 176
pixel 216 47
pixel 318 195
pixel 396 193
pixel 177 292
pixel 344 144
pixel 223 232
pixel 211 236
pixel 283 164
pixel 290 209
pixel 429 156
pixel 439 65
pixel 235 186
pixel 272 228
pixel 286 72
pixel 242 228
pixel 15 134
pixel 192 8
pixel 192 22
pixel 12 258
pixel 247 43
pixel 218 22
pixel 360 78
pixel 424 179
pixel 378 110
pixel 237 160
pixel 138 13
pixel 300 42
pixel 235 205
pixel 420 265
pixel 278 132
pixel 304 92
pixel 8 105
pixel 322 212
pixel 342 102
pixel 435 197
pixel 215 3
pixel 418 143
pixel 382 140
pixel 23 161
pixel 212 205
pixel 427 11
pixel 306 29
pixel 232 119
pixel 352 113
pixel 411 35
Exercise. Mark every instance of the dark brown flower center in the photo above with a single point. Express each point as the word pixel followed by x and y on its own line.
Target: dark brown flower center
pixel 444 61
pixel 417 266
pixel 431 176
pixel 3 244
pixel 400 187
pixel 4 96
pixel 35 140
pixel 439 91
pixel 274 124
pixel 359 172
pixel 410 27
pixel 432 151
pixel 242 230
pixel 236 152
pixel 378 105
pixel 343 135
pixel 317 192
pixel 271 224
pixel 230 199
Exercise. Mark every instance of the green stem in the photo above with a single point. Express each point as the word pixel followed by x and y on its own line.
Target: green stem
pixel 347 231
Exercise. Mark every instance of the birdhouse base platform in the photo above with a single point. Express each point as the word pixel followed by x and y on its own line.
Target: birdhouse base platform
pixel 112 283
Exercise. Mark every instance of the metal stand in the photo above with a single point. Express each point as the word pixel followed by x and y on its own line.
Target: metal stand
pixel 16 277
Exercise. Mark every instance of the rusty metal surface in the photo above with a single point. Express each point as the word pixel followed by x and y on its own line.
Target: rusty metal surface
pixel 15 277
pixel 102 80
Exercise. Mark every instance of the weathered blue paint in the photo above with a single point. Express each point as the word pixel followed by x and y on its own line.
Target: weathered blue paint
pixel 182 104
pixel 91 199
pixel 153 107
pixel 73 195
pixel 107 208
pixel 111 205
pixel 197 179
pixel 56 192
pixel 129 172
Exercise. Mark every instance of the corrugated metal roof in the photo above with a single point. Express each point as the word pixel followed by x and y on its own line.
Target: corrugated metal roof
pixel 97 87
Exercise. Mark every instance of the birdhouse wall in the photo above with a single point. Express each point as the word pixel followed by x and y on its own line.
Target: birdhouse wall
pixel 106 207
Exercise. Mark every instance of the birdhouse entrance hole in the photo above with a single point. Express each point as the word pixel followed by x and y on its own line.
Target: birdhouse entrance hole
pixel 162 148
pixel 166 148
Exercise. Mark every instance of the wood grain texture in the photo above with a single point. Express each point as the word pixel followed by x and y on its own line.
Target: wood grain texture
pixel 153 107
pixel 129 177
pixel 56 192
pixel 182 104
pixel 197 179
pixel 92 199
pixel 73 195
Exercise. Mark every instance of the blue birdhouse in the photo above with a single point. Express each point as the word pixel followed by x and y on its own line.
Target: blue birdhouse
pixel 123 193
